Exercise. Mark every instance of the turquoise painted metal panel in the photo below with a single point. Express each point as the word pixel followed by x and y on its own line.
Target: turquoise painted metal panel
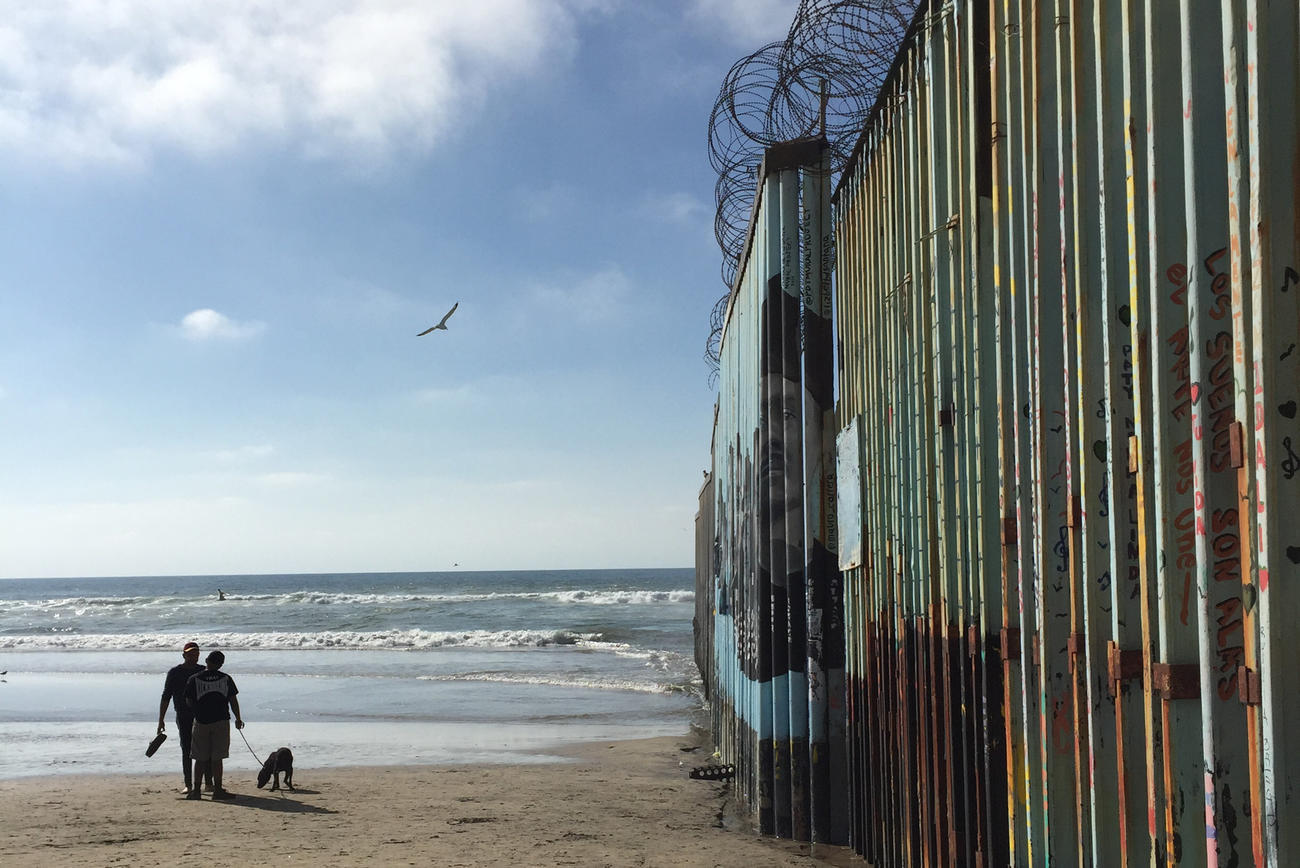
pixel 776 680
pixel 824 665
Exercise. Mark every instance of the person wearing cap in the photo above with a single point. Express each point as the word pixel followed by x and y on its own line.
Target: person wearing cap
pixel 173 688
pixel 211 694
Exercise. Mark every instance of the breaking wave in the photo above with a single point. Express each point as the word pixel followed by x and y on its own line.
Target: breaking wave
pixel 89 605
pixel 556 681
pixel 326 639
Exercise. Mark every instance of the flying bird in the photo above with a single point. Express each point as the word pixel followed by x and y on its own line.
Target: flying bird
pixel 442 324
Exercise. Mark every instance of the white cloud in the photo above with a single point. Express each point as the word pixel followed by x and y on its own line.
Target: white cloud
pixel 748 23
pixel 594 298
pixel 677 207
pixel 93 82
pixel 206 324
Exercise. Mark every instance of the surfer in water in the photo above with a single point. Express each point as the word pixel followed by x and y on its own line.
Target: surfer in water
pixel 221 595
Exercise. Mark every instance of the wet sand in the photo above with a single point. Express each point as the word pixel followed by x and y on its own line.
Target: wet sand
pixel 616 803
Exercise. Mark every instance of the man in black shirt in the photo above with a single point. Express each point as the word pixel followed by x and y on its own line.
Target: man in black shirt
pixel 211 695
pixel 173 687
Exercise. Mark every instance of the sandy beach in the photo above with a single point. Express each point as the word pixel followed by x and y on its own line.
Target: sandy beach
pixel 615 803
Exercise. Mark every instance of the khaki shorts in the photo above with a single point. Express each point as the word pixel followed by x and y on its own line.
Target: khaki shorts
pixel 211 741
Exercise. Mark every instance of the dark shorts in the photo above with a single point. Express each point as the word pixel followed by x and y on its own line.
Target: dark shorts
pixel 211 741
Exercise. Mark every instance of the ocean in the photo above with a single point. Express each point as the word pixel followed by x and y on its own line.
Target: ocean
pixel 348 669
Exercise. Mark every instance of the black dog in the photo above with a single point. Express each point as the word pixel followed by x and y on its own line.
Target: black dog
pixel 280 762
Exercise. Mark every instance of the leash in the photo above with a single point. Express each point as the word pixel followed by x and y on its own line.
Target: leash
pixel 250 750
pixel 247 745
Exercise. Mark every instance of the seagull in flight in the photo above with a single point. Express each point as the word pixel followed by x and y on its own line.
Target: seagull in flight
pixel 442 324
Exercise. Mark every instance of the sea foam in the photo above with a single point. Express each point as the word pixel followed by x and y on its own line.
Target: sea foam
pixel 555 681
pixel 87 605
pixel 341 639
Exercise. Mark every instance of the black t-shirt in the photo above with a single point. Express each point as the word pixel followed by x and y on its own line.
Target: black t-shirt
pixel 209 694
pixel 174 686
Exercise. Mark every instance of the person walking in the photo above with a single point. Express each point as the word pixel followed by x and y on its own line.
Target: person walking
pixel 173 688
pixel 212 695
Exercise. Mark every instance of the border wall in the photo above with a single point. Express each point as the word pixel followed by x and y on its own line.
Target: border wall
pixel 774 590
pixel 1067 310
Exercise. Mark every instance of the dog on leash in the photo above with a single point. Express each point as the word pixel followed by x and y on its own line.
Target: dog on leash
pixel 280 762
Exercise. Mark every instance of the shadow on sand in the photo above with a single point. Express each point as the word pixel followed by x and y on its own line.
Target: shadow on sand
pixel 284 804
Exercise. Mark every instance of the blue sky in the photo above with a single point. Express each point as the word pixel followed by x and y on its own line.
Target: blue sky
pixel 224 224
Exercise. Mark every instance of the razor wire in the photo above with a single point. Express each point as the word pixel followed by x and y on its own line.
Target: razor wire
pixel 823 79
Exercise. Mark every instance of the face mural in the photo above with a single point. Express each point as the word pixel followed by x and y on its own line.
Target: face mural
pixel 781 473
pixel 780 452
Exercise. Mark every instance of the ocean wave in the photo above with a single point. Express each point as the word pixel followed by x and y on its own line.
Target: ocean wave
pixel 558 681
pixel 82 605
pixel 331 639
pixel 589 597
pixel 622 598
pixel 88 605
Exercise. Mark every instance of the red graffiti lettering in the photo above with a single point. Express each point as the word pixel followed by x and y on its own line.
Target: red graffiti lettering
pixel 1185 524
pixel 1183 455
pixel 1218 350
pixel 1224 524
pixel 1213 258
pixel 1227 570
pixel 1232 658
pixel 1229 620
pixel 1221 371
pixel 1180 374
pixel 1177 275
pixel 1222 298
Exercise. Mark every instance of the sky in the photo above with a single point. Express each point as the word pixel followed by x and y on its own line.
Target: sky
pixel 222 225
